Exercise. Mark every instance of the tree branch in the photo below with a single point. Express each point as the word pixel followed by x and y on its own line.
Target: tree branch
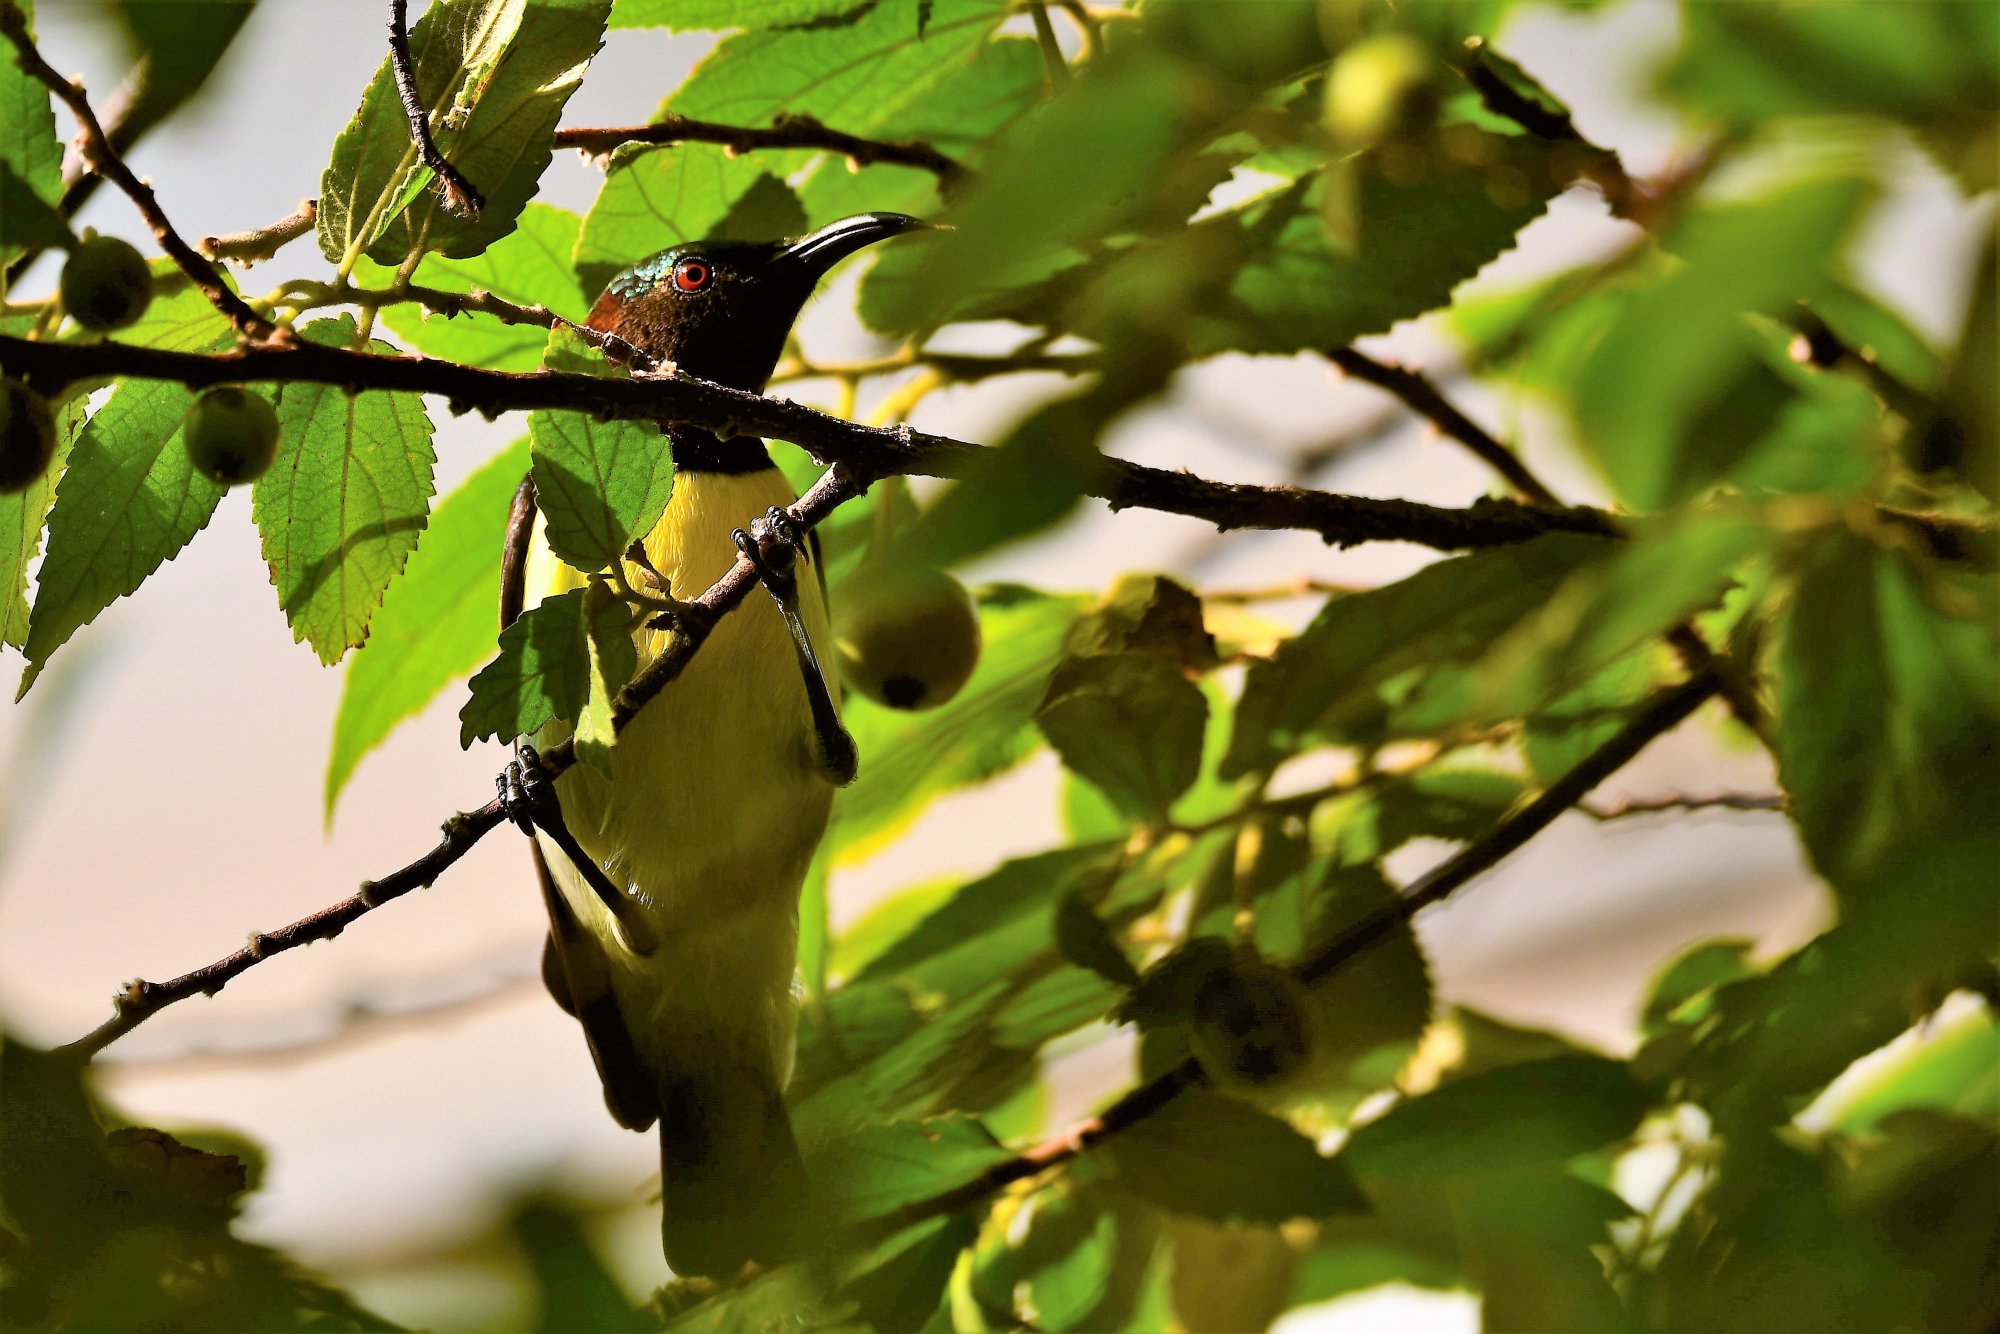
pixel 789 131
pixel 1423 398
pixel 870 451
pixel 261 243
pixel 458 192
pixel 1682 801
pixel 99 156
pixel 1666 711
pixel 141 1000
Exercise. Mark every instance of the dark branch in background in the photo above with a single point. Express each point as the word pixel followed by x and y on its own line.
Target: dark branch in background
pixel 1423 398
pixel 99 156
pixel 141 1000
pixel 261 243
pixel 789 131
pixel 1681 801
pixel 459 193
pixel 1666 711
pixel 872 451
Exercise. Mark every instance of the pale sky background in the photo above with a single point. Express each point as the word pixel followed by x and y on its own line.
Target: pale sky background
pixel 177 806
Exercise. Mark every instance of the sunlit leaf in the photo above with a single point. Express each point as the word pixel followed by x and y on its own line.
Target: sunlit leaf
pixel 342 508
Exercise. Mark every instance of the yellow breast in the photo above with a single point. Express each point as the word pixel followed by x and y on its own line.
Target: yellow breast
pixel 715 798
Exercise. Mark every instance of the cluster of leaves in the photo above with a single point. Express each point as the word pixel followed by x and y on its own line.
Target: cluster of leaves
pixel 1471 1155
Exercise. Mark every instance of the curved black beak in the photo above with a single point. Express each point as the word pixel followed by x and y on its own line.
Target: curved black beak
pixel 810 256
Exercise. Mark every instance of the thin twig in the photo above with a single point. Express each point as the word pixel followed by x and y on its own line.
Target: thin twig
pixel 459 194
pixel 1423 398
pixel 99 156
pixel 875 451
pixel 141 1000
pixel 1682 801
pixel 247 248
pixel 1666 711
pixel 788 131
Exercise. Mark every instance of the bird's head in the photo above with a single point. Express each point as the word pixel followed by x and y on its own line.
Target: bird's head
pixel 721 310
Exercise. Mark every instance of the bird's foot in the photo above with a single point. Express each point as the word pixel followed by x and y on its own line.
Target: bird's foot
pixel 778 572
pixel 527 792
pixel 528 798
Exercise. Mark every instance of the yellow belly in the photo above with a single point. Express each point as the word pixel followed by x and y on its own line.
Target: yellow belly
pixel 715 803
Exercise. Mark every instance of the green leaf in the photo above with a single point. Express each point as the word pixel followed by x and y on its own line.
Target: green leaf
pixel 872 1171
pixel 611 658
pixel 181 43
pixel 576 1290
pixel 853 76
pixel 1531 1243
pixel 910 1078
pixel 436 622
pixel 494 75
pixel 1060 1269
pixel 21 517
pixel 1215 1157
pixel 1676 395
pixel 652 200
pixel 717 15
pixel 1130 724
pixel 28 145
pixel 992 924
pixel 342 508
pixel 1610 606
pixel 1966 437
pixel 544 668
pixel 1888 722
pixel 909 760
pixel 1335 673
pixel 1559 735
pixel 1934 68
pixel 1413 242
pixel 27 222
pixel 1059 1001
pixel 529 266
pixel 1084 939
pixel 179 319
pixel 128 501
pixel 600 484
pixel 1516 1116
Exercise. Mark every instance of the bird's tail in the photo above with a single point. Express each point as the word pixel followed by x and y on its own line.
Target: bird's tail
pixel 734 1186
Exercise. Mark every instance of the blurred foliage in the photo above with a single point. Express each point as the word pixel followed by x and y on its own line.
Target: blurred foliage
pixel 1193 179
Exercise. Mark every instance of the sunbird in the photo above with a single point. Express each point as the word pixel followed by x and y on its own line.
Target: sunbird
pixel 672 886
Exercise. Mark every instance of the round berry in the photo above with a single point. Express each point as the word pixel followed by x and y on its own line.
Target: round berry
pixel 106 284
pixel 27 436
pixel 231 435
pixel 907 636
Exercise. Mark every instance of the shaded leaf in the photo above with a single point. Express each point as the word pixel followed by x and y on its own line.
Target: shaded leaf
pixel 1516 1116
pixel 1212 1156
pixel 1335 672
pixel 875 1170
pixel 1130 724
pixel 21 517
pixel 543 670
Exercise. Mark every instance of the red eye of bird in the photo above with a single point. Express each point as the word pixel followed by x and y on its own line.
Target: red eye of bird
pixel 691 275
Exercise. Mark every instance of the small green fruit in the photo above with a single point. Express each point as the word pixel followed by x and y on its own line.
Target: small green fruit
pixel 27 436
pixel 1250 1025
pixel 106 284
pixel 231 435
pixel 1381 87
pixel 906 636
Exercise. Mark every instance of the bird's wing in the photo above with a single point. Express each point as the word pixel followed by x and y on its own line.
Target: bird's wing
pixel 579 977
